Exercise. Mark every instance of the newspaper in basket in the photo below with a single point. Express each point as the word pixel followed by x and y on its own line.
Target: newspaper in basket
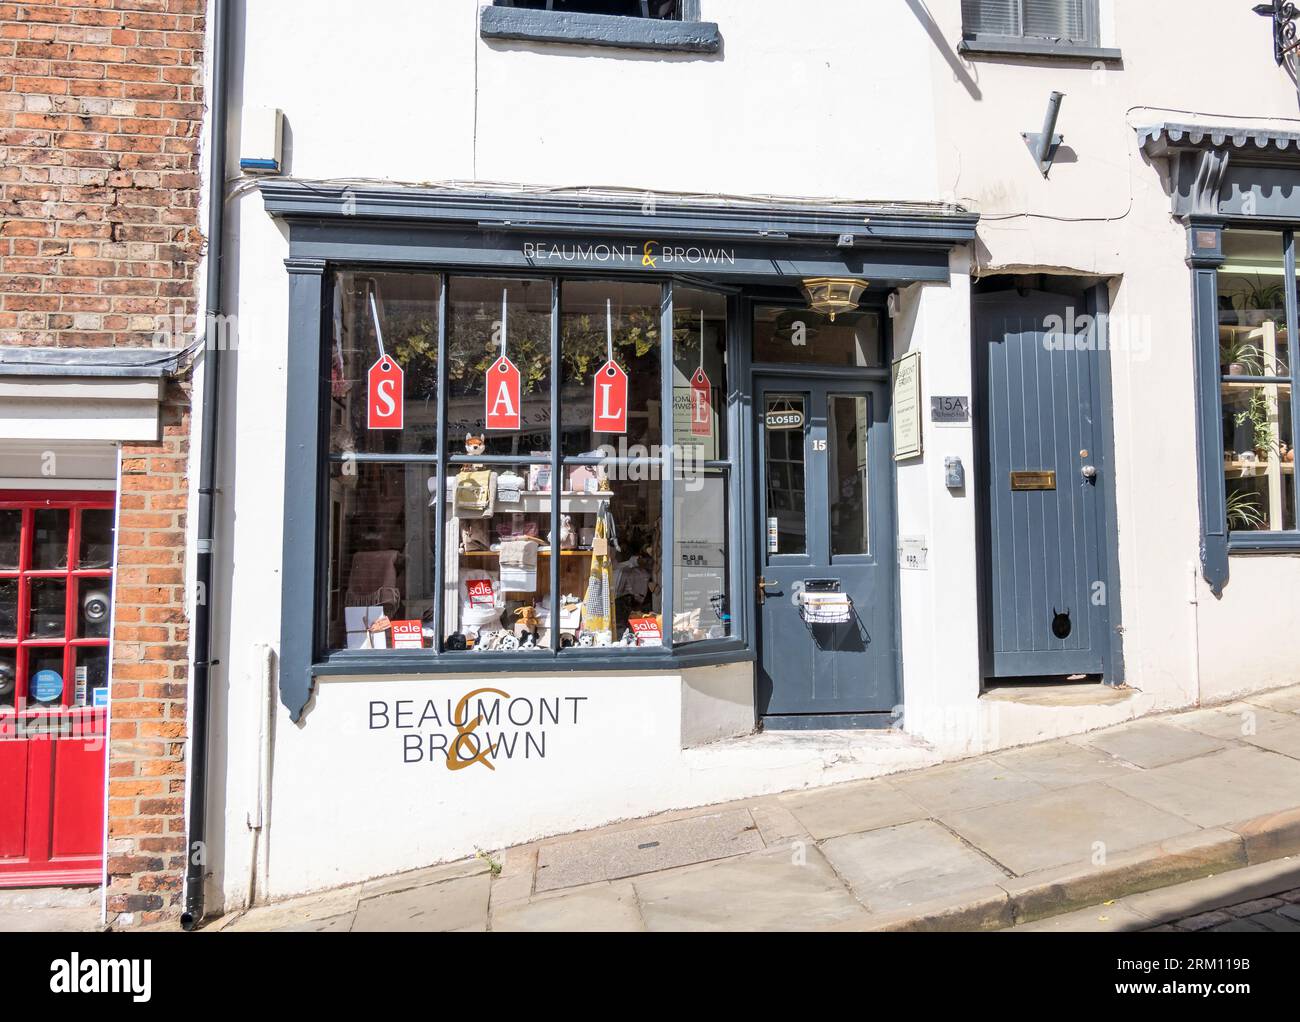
pixel 826 608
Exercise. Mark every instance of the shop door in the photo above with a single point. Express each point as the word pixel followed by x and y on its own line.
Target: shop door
pixel 826 526
pixel 56 557
pixel 1045 519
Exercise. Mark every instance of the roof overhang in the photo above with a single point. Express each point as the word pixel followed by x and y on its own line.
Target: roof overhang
pixel 520 229
pixel 109 394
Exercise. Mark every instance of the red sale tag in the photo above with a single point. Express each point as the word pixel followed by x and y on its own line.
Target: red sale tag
pixel 610 412
pixel 408 635
pixel 503 395
pixel 647 631
pixel 480 593
pixel 701 404
pixel 386 403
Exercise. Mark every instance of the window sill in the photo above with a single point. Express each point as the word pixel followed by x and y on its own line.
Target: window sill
pixel 1265 543
pixel 996 49
pixel 391 664
pixel 524 25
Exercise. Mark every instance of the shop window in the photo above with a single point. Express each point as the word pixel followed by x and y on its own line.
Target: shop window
pixel 1255 309
pixel 797 335
pixel 56 585
pixel 1041 24
pixel 538 526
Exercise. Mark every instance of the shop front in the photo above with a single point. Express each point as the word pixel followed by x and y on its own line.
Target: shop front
pixel 573 438
pixel 573 490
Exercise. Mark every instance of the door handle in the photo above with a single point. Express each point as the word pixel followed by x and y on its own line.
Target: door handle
pixel 1089 472
pixel 763 584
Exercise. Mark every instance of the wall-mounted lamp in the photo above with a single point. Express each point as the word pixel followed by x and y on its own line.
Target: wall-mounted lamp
pixel 1045 144
pixel 833 295
pixel 1284 14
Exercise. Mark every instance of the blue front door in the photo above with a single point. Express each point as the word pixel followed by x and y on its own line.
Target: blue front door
pixel 826 504
pixel 1046 517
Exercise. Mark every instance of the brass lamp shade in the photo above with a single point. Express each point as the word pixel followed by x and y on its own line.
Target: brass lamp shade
pixel 833 295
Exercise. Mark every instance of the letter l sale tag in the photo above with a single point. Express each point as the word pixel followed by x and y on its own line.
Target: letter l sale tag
pixel 610 412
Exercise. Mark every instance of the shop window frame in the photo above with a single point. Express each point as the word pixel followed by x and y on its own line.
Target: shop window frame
pixel 736 647
pixel 68 718
pixel 1206 257
pixel 501 21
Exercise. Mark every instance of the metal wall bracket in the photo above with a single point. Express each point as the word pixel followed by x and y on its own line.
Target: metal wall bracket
pixel 1045 144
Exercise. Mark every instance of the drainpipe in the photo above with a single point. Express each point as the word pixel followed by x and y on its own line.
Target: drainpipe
pixel 196 830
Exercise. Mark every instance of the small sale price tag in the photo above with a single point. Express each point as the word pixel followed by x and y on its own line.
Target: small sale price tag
pixel 408 635
pixel 480 592
pixel 386 405
pixel 647 631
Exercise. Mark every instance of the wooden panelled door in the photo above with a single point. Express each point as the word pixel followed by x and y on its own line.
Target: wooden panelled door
pixel 56 572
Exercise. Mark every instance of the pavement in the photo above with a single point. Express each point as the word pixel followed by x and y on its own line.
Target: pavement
pixel 1039 834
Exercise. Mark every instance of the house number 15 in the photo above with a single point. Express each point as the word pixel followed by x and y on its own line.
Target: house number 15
pixel 819 445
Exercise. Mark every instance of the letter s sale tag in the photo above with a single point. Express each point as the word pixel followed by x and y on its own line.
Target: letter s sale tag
pixel 386 403
pixel 503 395
pixel 610 412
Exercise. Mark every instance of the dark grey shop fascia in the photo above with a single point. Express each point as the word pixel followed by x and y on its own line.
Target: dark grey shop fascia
pixel 749 244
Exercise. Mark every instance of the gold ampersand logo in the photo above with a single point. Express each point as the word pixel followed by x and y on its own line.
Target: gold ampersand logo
pixel 648 257
pixel 465 732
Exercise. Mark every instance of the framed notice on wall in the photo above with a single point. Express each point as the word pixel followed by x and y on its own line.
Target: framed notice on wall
pixel 907 407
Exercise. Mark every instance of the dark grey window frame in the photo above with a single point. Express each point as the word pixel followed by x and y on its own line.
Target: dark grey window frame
pixel 502 22
pixel 1205 257
pixel 736 647
pixel 976 44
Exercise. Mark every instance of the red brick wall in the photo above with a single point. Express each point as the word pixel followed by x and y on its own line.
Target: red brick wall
pixel 101 106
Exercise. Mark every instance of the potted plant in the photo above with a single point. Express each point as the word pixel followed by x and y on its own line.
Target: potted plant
pixel 1262 302
pixel 1244 512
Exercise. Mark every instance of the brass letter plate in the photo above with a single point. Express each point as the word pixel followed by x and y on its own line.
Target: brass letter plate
pixel 1033 480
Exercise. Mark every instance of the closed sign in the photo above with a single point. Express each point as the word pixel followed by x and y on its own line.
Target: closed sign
pixel 786 419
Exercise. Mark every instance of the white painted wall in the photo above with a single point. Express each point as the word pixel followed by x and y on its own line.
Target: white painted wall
pixel 862 101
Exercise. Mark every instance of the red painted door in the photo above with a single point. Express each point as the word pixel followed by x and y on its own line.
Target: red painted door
pixel 56 561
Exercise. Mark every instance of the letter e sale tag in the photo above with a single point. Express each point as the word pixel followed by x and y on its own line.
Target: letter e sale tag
pixel 386 402
pixel 610 412
pixel 503 388
pixel 701 404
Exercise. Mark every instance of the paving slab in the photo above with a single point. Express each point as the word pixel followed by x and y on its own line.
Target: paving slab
pixel 852 808
pixel 771 891
pixel 647 849
pixel 1066 826
pixel 601 908
pixel 909 865
pixel 1063 764
pixel 976 782
pixel 1233 721
pixel 424 877
pixel 1284 700
pixel 777 825
pixel 334 924
pixel 310 909
pixel 1222 788
pixel 1153 743
pixel 452 905
pixel 1283 737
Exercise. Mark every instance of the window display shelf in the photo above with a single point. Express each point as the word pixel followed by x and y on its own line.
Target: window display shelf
pixel 532 502
pixel 541 552
pixel 1251 469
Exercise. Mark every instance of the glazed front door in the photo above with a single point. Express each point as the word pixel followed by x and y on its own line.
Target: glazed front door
pixel 826 505
pixel 56 559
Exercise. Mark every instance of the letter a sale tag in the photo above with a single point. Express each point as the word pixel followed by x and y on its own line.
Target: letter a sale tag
pixel 386 395
pixel 610 412
pixel 503 395
pixel 701 404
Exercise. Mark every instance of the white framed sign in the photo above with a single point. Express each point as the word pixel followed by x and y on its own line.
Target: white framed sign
pixel 907 407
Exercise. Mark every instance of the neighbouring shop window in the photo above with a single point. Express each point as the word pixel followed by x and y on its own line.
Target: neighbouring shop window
pixel 501 540
pixel 1255 383
pixel 1059 21
pixel 56 584
pixel 798 335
